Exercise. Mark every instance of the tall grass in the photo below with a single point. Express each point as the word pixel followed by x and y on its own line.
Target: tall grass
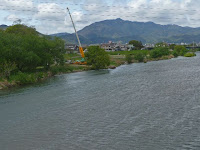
pixel 27 78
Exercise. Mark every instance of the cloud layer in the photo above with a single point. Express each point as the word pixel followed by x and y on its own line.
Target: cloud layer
pixel 50 16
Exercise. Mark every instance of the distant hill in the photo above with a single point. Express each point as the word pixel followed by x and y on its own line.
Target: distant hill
pixel 3 26
pixel 121 30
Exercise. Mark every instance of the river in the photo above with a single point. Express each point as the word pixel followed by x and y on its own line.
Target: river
pixel 152 106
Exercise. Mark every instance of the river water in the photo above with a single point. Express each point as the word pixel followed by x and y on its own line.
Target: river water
pixel 153 106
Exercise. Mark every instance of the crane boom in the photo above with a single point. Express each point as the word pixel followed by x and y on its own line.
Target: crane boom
pixel 80 47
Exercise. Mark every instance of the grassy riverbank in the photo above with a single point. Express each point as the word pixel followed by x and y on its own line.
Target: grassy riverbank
pixel 116 59
pixel 26 78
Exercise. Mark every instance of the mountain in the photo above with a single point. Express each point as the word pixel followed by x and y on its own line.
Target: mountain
pixel 3 26
pixel 122 30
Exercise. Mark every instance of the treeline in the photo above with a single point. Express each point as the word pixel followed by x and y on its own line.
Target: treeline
pixel 159 52
pixel 23 49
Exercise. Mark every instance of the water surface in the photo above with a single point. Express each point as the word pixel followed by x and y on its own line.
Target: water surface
pixel 149 106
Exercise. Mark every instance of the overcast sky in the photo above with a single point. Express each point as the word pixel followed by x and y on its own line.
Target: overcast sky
pixel 50 16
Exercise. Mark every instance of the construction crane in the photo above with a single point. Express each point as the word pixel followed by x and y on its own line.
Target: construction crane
pixel 80 47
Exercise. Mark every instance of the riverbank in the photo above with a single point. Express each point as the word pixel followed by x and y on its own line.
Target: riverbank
pixel 21 79
pixel 118 60
pixel 118 109
pixel 27 78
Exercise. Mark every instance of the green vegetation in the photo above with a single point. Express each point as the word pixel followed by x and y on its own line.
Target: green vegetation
pixel 161 44
pixel 180 50
pixel 128 58
pixel 27 78
pixel 145 52
pixel 172 46
pixel 27 56
pixel 72 57
pixel 139 57
pixel 60 69
pixel 159 52
pixel 97 58
pixel 189 54
pixel 137 44
pixel 175 53
pixel 21 46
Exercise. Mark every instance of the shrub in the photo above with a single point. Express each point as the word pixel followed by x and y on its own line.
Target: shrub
pixel 97 58
pixel 181 50
pixel 159 52
pixel 59 69
pixel 175 54
pixel 128 58
pixel 139 57
pixel 189 55
pixel 24 78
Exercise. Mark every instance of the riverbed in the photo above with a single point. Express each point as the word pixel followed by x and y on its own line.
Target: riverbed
pixel 144 106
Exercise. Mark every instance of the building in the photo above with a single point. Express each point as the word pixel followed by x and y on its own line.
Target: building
pixel 110 46
pixel 71 48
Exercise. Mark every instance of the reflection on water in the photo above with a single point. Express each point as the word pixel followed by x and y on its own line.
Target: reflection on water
pixel 140 106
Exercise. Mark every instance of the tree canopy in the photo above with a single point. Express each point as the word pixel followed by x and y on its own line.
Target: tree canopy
pixel 21 29
pixel 159 52
pixel 97 57
pixel 23 46
pixel 161 44
pixel 137 44
pixel 180 50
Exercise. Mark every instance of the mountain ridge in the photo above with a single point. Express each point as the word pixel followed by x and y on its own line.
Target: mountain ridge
pixel 3 26
pixel 125 30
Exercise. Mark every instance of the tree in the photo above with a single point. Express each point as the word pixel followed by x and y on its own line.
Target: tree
pixel 6 68
pixel 97 57
pixel 161 44
pixel 159 52
pixel 21 29
pixel 139 57
pixel 181 50
pixel 172 46
pixel 129 58
pixel 23 46
pixel 18 21
pixel 137 44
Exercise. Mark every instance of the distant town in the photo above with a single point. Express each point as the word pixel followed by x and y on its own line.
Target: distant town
pixel 118 46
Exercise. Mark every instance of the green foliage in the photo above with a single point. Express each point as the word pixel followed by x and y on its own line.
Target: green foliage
pixel 159 52
pixel 172 46
pixel 23 46
pixel 1 30
pixel 97 57
pixel 6 68
pixel 198 49
pixel 60 69
pixel 139 57
pixel 21 29
pixel 27 78
pixel 138 45
pixel 175 53
pixel 144 52
pixel 189 55
pixel 161 44
pixel 23 78
pixel 128 58
pixel 181 50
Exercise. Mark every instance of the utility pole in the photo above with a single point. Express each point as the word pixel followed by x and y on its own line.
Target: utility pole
pixel 80 47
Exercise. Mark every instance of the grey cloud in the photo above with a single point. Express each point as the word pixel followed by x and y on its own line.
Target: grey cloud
pixel 184 12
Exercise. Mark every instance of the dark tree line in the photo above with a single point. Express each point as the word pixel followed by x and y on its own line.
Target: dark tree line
pixel 23 48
